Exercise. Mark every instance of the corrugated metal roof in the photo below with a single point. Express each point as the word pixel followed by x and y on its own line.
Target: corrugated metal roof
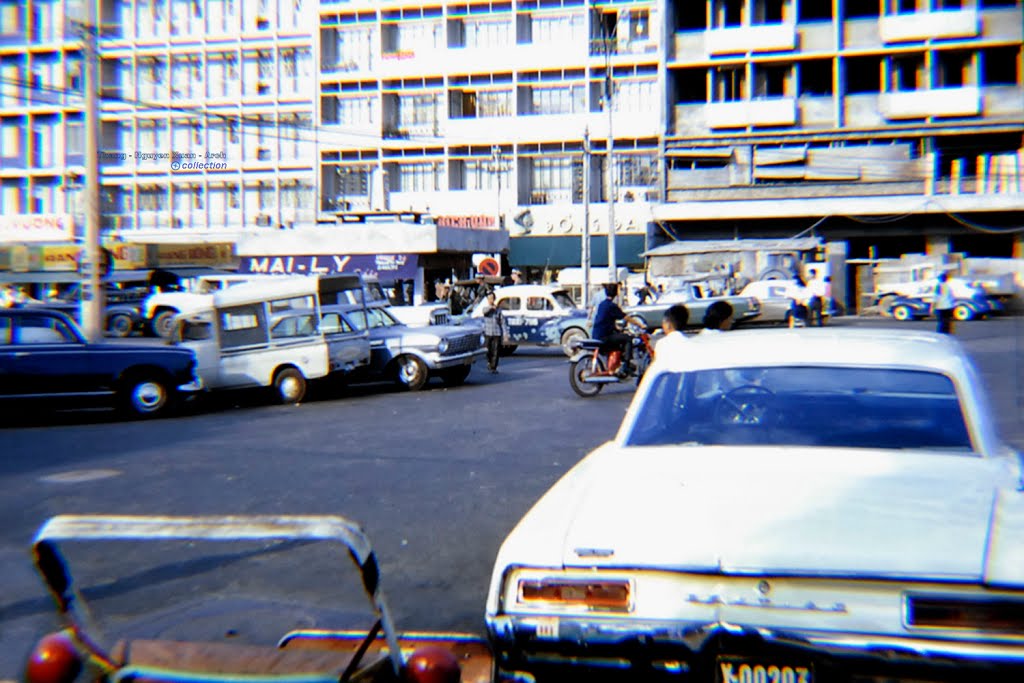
pixel 685 247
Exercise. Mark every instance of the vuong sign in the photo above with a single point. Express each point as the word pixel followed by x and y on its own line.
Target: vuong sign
pixel 386 267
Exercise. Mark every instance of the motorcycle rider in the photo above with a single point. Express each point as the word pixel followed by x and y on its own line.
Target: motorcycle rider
pixel 613 342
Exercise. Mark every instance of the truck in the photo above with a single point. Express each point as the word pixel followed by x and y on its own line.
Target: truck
pixel 271 333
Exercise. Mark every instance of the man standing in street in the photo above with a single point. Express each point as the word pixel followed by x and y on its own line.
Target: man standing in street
pixel 494 332
pixel 944 304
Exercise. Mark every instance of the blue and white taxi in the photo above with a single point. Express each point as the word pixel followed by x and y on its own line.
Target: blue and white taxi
pixel 795 506
pixel 533 313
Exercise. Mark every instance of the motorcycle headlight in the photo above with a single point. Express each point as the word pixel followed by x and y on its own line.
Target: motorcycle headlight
pixel 442 345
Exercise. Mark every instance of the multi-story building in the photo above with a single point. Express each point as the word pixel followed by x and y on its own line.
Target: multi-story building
pixel 207 112
pixel 891 125
pixel 485 108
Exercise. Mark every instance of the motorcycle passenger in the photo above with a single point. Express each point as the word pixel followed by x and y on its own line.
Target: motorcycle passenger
pixel 718 317
pixel 613 342
pixel 672 324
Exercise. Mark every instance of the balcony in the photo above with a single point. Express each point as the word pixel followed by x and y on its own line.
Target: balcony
pixel 920 26
pixel 769 112
pixel 743 39
pixel 919 104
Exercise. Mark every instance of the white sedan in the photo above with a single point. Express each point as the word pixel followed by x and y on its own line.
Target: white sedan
pixel 792 506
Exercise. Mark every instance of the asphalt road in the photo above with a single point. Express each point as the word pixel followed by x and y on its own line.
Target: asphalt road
pixel 437 478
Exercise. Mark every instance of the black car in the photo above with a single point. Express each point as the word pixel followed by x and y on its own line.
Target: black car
pixel 45 356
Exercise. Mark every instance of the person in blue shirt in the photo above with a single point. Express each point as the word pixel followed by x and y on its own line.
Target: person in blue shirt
pixel 614 343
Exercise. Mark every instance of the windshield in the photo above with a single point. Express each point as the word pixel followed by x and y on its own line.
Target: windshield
pixel 564 300
pixel 837 407
pixel 371 318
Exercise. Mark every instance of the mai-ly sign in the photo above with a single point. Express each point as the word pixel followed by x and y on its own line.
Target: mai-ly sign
pixel 36 227
pixel 386 267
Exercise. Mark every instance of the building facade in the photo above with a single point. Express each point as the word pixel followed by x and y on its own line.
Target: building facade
pixel 893 125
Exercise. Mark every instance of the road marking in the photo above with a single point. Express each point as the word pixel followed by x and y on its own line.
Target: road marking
pixel 78 477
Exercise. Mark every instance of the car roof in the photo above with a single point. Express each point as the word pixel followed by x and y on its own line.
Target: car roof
pixel 830 346
pixel 527 290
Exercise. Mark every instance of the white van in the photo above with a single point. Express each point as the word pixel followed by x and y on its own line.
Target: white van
pixel 261 334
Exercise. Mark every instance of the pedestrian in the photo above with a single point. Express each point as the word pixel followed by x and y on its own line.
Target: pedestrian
pixel 816 305
pixel 718 317
pixel 644 293
pixel 672 324
pixel 944 304
pixel 517 277
pixel 494 331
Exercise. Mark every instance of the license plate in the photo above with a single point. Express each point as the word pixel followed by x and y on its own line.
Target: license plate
pixel 742 670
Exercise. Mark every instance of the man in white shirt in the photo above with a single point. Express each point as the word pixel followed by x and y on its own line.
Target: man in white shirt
pixel 672 325
pixel 817 289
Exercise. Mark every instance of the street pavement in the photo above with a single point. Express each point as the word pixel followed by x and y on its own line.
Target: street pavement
pixel 437 478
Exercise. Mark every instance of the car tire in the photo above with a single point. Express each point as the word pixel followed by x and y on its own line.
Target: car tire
pixel 145 396
pixel 163 324
pixel 290 385
pixel 582 367
pixel 120 325
pixel 570 339
pixel 962 313
pixel 902 313
pixel 886 302
pixel 507 349
pixel 411 372
pixel 454 377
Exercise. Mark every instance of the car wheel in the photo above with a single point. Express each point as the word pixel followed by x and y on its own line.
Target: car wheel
pixel 163 324
pixel 290 385
pixel 571 339
pixel 412 373
pixel 580 370
pixel 962 313
pixel 453 377
pixel 902 313
pixel 120 325
pixel 145 396
pixel 885 302
pixel 507 349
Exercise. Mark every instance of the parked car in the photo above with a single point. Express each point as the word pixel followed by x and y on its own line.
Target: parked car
pixel 209 601
pixel 696 300
pixel 160 308
pixel 972 301
pixel 533 311
pixel 411 355
pixel 791 505
pixel 45 357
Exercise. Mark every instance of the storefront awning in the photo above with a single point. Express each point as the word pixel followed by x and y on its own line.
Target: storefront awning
pixel 562 251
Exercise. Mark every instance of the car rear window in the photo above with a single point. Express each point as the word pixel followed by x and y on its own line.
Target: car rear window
pixel 838 407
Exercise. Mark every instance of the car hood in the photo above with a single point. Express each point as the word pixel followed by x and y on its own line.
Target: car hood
pixel 143 348
pixel 789 511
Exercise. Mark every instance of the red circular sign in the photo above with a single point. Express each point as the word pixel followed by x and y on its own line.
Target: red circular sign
pixel 489 266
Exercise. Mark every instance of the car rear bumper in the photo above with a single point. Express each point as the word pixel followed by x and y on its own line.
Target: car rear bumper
pixel 528 648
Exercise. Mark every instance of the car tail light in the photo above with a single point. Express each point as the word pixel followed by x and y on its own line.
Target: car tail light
pixel 432 664
pixel 1004 615
pixel 598 595
pixel 54 659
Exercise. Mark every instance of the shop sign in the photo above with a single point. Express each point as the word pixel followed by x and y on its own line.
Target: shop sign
pixel 162 255
pixel 36 227
pixel 64 257
pixel 127 256
pixel 480 222
pixel 386 267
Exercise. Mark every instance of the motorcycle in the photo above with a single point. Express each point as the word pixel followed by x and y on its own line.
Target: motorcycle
pixel 590 368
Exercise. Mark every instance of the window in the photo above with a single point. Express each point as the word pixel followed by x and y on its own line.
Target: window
pixel 539 303
pixel 730 83
pixel 771 80
pixel 863 75
pixel 294 326
pixel 298 303
pixel 907 72
pixel 42 330
pixel 242 326
pixel 771 406
pixel 560 99
pixel 999 66
pixel 954 69
pixel 333 323
pixel 815 77
pixel 513 303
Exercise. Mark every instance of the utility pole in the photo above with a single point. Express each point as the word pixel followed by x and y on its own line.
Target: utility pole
pixel 585 246
pixel 93 294
pixel 609 88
